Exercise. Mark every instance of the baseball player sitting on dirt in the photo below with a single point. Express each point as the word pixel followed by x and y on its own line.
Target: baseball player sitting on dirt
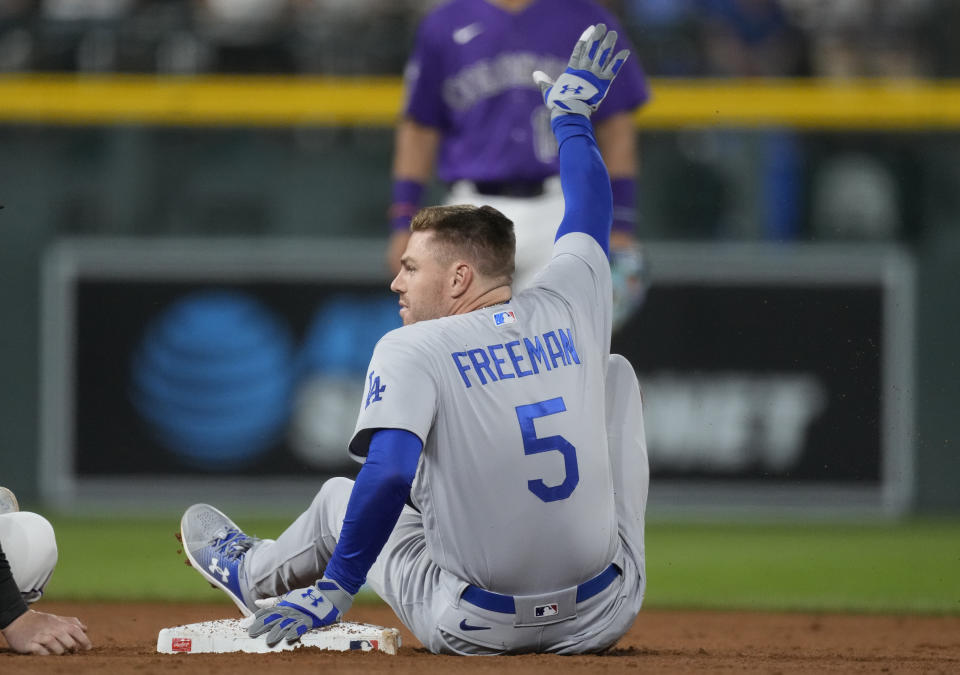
pixel 30 541
pixel 500 509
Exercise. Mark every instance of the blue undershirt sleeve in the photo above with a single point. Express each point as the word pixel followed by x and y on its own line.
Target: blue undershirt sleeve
pixel 585 182
pixel 379 493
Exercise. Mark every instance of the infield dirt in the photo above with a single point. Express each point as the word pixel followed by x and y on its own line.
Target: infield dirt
pixel 125 635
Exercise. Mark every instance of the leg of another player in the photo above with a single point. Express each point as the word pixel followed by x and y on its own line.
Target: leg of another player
pixel 31 549
pixel 628 454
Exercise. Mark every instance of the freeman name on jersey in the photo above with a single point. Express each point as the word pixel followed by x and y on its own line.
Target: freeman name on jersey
pixel 520 358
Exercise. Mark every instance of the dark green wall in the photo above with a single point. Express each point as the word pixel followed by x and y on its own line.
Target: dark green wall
pixel 312 182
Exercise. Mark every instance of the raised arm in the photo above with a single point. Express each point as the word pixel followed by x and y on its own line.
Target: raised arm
pixel 586 185
pixel 576 94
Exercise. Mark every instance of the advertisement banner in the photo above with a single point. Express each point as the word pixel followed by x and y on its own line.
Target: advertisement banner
pixel 177 369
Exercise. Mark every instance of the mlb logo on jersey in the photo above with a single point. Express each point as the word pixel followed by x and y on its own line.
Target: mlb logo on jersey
pixel 505 317
pixel 546 610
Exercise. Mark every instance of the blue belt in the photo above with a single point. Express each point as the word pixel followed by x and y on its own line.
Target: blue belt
pixel 495 602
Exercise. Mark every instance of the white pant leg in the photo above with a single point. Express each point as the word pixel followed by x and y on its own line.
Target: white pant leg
pixel 628 455
pixel 31 549
pixel 535 223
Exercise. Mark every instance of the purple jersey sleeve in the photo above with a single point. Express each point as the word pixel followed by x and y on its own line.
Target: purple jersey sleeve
pixel 424 76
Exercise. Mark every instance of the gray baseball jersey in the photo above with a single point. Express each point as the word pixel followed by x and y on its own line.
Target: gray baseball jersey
pixel 514 481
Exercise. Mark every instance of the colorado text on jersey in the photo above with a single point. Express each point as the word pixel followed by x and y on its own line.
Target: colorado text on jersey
pixel 556 349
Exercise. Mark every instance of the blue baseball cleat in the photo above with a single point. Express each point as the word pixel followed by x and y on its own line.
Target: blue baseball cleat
pixel 215 547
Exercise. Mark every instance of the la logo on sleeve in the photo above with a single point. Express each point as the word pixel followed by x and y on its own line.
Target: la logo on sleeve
pixel 375 390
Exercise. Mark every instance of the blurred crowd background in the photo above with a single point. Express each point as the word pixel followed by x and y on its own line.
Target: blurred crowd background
pixel 687 38
pixel 764 183
pixel 767 184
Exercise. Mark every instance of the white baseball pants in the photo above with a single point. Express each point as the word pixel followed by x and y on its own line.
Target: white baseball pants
pixel 31 549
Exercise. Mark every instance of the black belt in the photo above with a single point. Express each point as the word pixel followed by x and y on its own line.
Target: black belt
pixel 496 602
pixel 509 188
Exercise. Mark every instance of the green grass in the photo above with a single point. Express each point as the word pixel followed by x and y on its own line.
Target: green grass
pixel 876 567
pixel 126 558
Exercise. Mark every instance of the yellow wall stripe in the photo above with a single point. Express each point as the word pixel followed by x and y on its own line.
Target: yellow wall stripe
pixel 810 104
pixel 371 101
pixel 267 101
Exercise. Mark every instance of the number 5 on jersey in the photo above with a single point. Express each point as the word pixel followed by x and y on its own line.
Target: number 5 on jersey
pixel 532 445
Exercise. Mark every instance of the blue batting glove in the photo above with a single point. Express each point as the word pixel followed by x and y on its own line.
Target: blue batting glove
pixel 584 84
pixel 301 610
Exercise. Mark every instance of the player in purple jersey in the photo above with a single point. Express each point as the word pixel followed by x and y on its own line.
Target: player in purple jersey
pixel 472 111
